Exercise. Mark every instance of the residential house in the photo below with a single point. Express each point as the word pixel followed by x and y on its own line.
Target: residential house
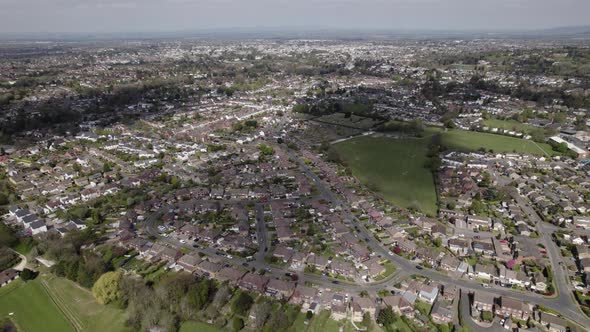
pixel 254 282
pixel 280 289
pixel 508 307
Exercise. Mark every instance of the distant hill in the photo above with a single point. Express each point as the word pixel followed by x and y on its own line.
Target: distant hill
pixel 576 32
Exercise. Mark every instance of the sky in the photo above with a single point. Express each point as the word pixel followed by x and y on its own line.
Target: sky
pixel 108 16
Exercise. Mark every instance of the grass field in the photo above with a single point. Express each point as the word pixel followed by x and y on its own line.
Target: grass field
pixel 473 141
pixel 509 125
pixel 32 309
pixel 395 168
pixel 392 167
pixel 56 304
pixel 80 306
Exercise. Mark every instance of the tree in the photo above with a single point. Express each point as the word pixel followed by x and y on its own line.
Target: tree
pixel 27 274
pixel 106 288
pixel 238 324
pixel 261 312
pixel 366 319
pixel 242 304
pixel 487 316
pixel 386 316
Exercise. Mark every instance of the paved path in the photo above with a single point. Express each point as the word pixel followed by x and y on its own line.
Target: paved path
pixel 23 262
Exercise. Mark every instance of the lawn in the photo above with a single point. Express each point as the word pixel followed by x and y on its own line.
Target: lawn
pixel 323 323
pixel 473 141
pixel 32 309
pixel 392 167
pixel 56 304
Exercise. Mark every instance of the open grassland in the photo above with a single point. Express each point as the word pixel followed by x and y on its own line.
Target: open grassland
pixel 509 125
pixel 472 141
pixel 81 307
pixel 32 309
pixel 56 304
pixel 392 167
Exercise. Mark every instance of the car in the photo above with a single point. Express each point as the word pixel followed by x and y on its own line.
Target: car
pixel 245 264
pixel 502 322
pixel 195 246
pixel 287 274
pixel 419 267
pixel 335 282
pixel 182 241
pixel 485 286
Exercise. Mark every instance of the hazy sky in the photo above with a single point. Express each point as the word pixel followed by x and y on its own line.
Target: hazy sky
pixel 169 15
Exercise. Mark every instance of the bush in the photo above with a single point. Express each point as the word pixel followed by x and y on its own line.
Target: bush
pixel 242 304
pixel 238 324
pixel 487 316
pixel 27 274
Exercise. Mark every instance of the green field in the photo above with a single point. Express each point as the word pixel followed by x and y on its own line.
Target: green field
pixel 80 306
pixel 509 125
pixel 32 309
pixel 473 141
pixel 56 304
pixel 395 168
pixel 392 167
